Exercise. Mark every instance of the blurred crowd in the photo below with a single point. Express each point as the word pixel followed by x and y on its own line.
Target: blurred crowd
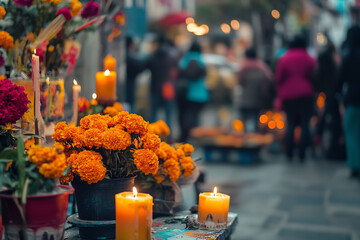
pixel 320 95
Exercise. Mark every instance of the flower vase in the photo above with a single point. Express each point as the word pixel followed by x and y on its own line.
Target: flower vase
pixel 45 215
pixel 96 206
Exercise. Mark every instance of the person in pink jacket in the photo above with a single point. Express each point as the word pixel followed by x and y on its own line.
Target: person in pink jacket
pixel 295 90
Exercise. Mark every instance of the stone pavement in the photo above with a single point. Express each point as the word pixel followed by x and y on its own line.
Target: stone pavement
pixel 277 200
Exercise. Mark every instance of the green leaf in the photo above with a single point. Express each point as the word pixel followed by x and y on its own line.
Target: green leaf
pixel 5 160
pixel 8 154
pixel 49 184
pixel 34 186
pixel 33 135
pixel 21 167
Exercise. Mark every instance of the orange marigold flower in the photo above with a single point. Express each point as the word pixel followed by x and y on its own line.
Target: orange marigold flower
pixel 92 138
pixel 134 123
pixel 93 102
pixel 159 128
pixel 89 166
pixel 169 150
pixel 58 148
pixel 111 111
pixel 6 40
pixel 75 7
pixel 116 139
pixel 69 152
pixel 151 141
pixel 2 12
pixel 60 134
pixel 94 121
pixel 187 165
pixel 29 143
pixel 116 120
pixel 180 153
pixel 55 168
pixel 146 161
pixel 38 155
pixel 172 168
pixel 118 106
pixel 187 148
pixel 78 141
pixel 161 153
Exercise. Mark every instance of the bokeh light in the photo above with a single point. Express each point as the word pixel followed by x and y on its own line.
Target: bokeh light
pixel 263 119
pixel 320 102
pixel 235 24
pixel 275 14
pixel 280 124
pixel 321 38
pixel 277 117
pixel 271 124
pixel 191 27
pixel 238 125
pixel 205 27
pixel 225 28
pixel 189 20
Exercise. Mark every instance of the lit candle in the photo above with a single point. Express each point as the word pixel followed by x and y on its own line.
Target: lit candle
pixel 213 206
pixel 93 100
pixel 133 215
pixel 48 97
pixel 76 92
pixel 106 87
pixel 110 63
pixel 36 84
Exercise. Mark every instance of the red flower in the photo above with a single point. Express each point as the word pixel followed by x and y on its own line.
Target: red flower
pixel 91 9
pixel 24 3
pixel 13 102
pixel 2 61
pixel 65 12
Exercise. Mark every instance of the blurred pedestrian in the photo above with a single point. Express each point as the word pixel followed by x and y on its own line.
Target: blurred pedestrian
pixel 162 64
pixel 295 90
pixel 350 84
pixel 325 83
pixel 196 94
pixel 257 84
pixel 134 66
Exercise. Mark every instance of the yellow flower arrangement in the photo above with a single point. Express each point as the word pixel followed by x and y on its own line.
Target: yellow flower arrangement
pixel 6 40
pixel 2 12
pixel 75 7
pixel 51 162
pixel 117 146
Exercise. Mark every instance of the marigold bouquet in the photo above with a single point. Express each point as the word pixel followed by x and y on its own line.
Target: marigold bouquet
pixel 31 171
pixel 108 147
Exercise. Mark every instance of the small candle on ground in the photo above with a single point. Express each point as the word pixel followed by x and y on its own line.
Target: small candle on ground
pixel 213 206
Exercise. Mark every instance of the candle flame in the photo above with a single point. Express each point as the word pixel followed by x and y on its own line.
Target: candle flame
pixel 107 72
pixel 215 191
pixel 75 82
pixel 47 80
pixel 135 192
pixel 34 51
pixel 94 96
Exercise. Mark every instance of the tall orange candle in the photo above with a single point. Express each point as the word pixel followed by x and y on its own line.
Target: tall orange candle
pixel 106 87
pixel 110 63
pixel 213 206
pixel 133 215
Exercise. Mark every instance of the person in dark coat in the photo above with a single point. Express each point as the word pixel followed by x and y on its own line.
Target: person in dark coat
pixel 162 64
pixel 134 66
pixel 350 86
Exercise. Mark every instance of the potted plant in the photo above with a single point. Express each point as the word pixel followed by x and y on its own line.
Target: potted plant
pixel 104 155
pixel 33 205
